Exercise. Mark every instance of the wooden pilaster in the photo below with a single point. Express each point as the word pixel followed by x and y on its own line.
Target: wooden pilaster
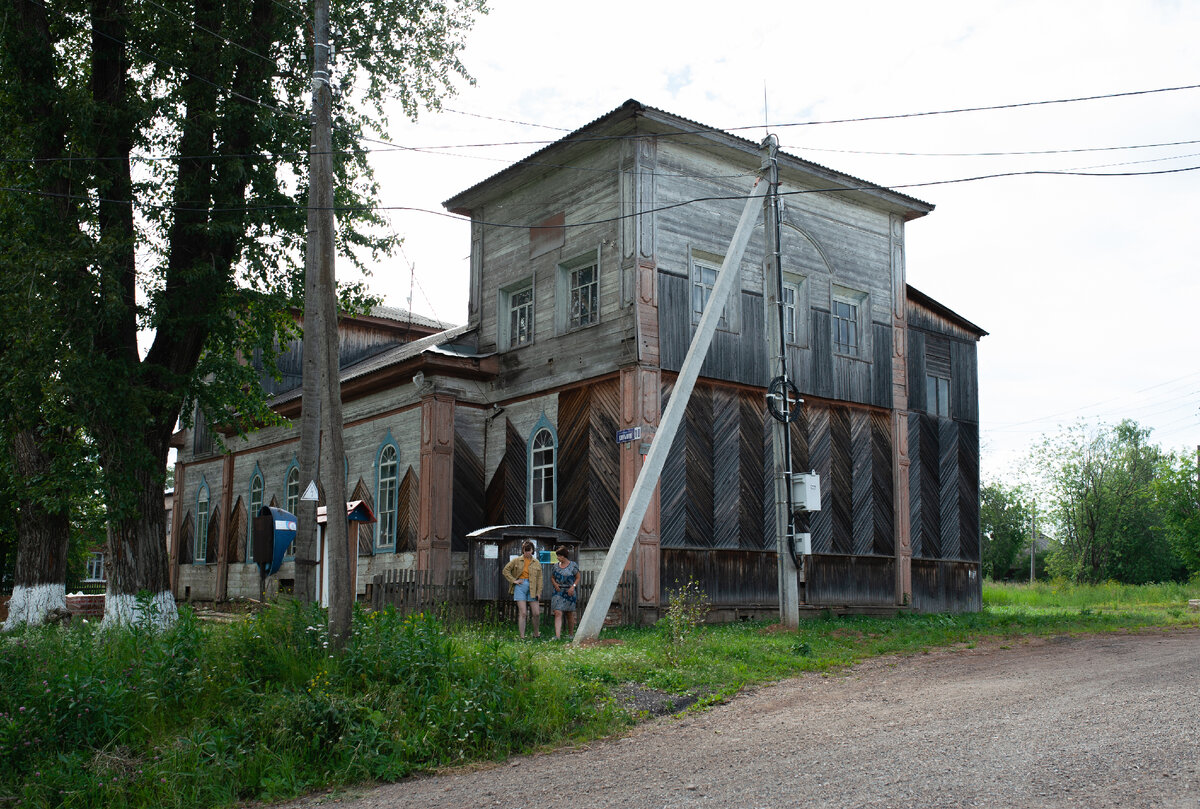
pixel 900 459
pixel 435 517
pixel 640 403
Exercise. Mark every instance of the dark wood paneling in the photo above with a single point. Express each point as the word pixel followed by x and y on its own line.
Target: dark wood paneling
pixel 881 484
pixel 408 511
pixel 916 371
pixel 968 492
pixel 467 512
pixel 726 463
pixel 506 493
pixel 187 532
pixel 862 514
pixel 672 485
pixel 235 551
pixel 841 480
pixel 820 524
pixel 574 428
pixel 732 356
pixel 729 578
pixel 820 381
pixel 964 382
pixel 366 531
pixel 214 536
pixel 881 367
pixel 948 488
pixel 698 471
pixel 754 468
pixel 836 580
pixel 945 586
pixel 604 464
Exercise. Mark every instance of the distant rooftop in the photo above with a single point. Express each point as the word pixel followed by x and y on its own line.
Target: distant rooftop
pixel 405 316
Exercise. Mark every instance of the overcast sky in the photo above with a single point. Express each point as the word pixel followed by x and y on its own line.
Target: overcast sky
pixel 1088 285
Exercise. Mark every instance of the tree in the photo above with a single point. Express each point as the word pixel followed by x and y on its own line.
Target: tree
pixel 1100 484
pixel 1004 524
pixel 1178 491
pixel 185 138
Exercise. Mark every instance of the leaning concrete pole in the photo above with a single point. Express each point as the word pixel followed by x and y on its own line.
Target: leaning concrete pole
pixel 635 511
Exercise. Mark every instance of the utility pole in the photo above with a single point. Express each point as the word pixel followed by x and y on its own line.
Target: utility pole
pixel 1032 539
pixel 323 337
pixel 781 444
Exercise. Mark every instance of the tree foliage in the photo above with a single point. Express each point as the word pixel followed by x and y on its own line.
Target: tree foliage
pixel 1004 523
pixel 1107 505
pixel 156 164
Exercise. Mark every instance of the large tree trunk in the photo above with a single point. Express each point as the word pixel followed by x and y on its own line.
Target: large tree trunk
pixel 40 577
pixel 139 573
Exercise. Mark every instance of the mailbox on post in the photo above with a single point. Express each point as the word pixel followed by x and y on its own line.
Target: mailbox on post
pixel 274 533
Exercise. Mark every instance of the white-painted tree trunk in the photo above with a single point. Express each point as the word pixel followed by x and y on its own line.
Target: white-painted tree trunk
pixel 34 606
pixel 129 610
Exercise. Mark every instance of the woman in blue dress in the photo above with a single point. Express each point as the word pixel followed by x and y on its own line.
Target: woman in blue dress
pixel 565 578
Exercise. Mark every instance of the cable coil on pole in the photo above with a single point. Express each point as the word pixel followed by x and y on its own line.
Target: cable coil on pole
pixel 783 400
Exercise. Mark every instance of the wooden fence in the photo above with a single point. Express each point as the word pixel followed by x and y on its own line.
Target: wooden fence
pixel 413 591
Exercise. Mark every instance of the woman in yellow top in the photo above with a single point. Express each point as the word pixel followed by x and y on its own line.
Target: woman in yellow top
pixel 524 575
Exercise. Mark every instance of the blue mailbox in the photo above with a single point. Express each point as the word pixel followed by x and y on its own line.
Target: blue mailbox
pixel 274 533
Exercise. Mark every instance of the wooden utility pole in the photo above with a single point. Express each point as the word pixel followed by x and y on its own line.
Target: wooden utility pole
pixel 320 263
pixel 639 499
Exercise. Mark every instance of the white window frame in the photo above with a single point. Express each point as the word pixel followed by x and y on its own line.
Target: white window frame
pixel 700 263
pixel 506 339
pixel 95 566
pixel 797 287
pixel 255 507
pixel 291 499
pixel 543 472
pixel 387 495
pixel 567 319
pixel 861 303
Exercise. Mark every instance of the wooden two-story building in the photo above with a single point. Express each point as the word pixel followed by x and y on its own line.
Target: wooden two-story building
pixel 591 263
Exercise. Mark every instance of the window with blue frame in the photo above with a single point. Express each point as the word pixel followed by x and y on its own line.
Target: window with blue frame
pixel 291 497
pixel 386 495
pixel 543 452
pixel 201 539
pixel 256 503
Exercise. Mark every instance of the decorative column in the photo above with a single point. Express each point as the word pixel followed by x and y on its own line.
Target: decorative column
pixel 900 459
pixel 640 404
pixel 435 520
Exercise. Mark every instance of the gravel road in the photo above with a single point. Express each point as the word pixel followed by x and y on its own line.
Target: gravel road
pixel 1091 721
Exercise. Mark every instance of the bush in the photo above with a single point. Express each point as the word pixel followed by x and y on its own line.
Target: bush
pixel 687 607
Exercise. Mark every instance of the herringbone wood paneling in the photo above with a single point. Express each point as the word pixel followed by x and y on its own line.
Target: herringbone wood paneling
pixel 236 550
pixel 881 484
pixel 968 491
pixel 754 479
pixel 468 494
pixel 573 438
pixel 726 461
pixel 698 471
pixel 366 531
pixel 840 478
pixel 672 486
pixel 948 488
pixel 604 456
pixel 407 511
pixel 820 523
pixel 863 490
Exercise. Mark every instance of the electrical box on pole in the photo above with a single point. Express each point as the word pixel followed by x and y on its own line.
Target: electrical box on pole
pixel 806 492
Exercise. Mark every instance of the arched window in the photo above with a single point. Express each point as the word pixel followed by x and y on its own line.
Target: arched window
pixel 256 503
pixel 291 497
pixel 385 500
pixel 201 539
pixel 542 488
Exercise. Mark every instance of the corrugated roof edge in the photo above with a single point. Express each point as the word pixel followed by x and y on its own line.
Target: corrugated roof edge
pixel 405 316
pixel 632 108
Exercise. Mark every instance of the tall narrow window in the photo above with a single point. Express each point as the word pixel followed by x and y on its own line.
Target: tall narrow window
pixel 386 500
pixel 845 327
pixel 789 312
pixel 201 525
pixel 584 284
pixel 516 314
pixel 937 396
pixel 256 502
pixel 541 495
pixel 704 270
pixel 291 498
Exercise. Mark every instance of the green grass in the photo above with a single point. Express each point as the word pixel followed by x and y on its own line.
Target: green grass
pixel 219 715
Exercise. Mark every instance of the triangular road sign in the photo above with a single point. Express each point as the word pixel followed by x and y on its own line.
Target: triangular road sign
pixel 311 492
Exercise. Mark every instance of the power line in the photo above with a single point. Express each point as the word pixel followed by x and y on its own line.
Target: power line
pixel 1003 154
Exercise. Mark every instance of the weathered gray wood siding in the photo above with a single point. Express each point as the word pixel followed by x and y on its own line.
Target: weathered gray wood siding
pixel 507 252
pixel 830 246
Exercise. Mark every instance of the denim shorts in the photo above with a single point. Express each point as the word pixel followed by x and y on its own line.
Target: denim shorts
pixel 521 591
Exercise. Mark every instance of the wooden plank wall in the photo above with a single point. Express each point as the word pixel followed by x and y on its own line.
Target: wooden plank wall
pixel 506 501
pixel 589 462
pixel 468 493
pixel 946 586
pixel 728 576
pixel 944 488
pixel 839 579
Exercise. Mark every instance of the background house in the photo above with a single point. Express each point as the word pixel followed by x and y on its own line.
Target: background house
pixel 592 261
